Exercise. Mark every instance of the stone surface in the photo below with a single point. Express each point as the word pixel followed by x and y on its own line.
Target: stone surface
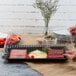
pixel 15 69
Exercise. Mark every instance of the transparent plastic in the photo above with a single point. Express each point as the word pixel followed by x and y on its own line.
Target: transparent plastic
pixel 36 42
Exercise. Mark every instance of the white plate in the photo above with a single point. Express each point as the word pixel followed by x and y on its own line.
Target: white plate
pixel 63 35
pixel 62 32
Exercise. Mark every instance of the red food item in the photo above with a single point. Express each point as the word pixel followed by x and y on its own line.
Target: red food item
pixel 2 43
pixel 47 47
pixel 27 57
pixel 2 39
pixel 17 54
pixel 72 30
pixel 32 56
pixel 53 53
pixel 13 39
pixel 56 56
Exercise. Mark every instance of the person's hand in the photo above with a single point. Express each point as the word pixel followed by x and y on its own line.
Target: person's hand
pixel 73 30
pixel 71 55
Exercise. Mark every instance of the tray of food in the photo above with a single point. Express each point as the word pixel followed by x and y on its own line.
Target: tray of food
pixel 13 39
pixel 35 53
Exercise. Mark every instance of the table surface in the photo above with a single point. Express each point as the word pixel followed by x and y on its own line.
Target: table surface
pixel 50 69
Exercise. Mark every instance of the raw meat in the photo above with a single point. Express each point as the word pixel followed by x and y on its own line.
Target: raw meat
pixel 53 53
pixel 15 53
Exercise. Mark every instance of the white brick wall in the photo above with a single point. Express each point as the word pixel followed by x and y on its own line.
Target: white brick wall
pixel 21 16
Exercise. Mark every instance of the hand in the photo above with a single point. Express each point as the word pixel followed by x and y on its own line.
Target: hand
pixel 73 30
pixel 71 55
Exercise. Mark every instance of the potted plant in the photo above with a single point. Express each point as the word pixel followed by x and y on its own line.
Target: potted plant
pixel 47 8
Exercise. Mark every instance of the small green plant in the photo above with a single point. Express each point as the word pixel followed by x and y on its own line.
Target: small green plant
pixel 47 8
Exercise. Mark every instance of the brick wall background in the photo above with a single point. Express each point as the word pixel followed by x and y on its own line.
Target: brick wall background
pixel 20 16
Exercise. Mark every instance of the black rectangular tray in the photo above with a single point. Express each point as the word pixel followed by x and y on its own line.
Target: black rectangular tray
pixel 31 48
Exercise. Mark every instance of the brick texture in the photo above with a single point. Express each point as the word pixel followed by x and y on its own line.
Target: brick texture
pixel 22 17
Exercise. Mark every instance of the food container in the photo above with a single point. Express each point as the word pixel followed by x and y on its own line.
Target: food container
pixel 10 38
pixel 26 44
pixel 29 50
pixel 50 42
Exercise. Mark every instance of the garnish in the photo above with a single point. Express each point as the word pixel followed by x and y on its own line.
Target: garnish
pixel 45 49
